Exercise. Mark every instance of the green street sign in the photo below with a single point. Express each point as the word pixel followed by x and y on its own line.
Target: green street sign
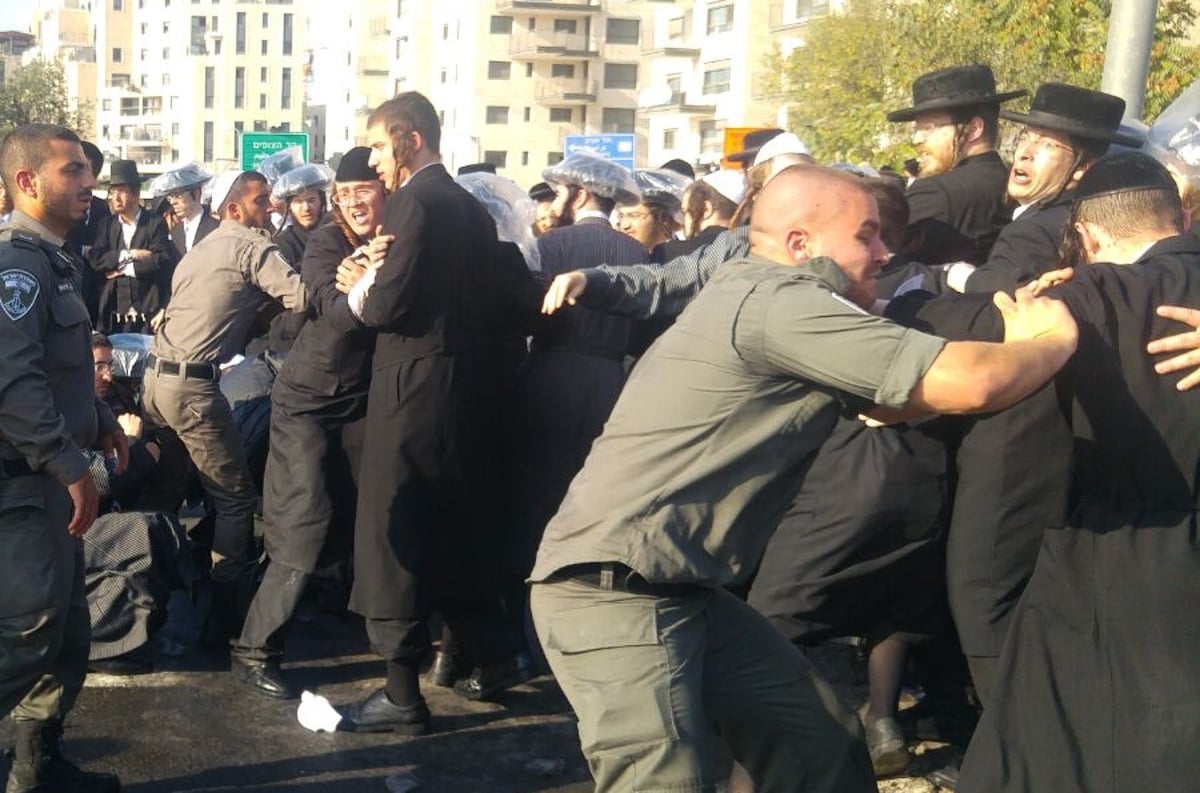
pixel 256 146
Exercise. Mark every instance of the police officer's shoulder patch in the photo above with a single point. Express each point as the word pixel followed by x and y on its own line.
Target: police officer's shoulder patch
pixel 18 293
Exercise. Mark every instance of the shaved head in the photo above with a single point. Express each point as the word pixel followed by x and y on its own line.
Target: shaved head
pixel 806 211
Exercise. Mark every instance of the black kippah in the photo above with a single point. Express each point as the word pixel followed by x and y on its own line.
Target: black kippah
pixel 354 167
pixel 1123 172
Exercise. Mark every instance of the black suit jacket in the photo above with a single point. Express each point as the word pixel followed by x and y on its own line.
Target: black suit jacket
pixel 956 216
pixel 1026 248
pixel 145 293
pixel 208 224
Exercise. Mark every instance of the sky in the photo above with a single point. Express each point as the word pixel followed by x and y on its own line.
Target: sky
pixel 16 14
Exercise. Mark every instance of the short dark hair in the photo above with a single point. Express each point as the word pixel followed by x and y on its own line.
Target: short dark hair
pixel 94 155
pixel 26 147
pixel 100 341
pixel 1124 214
pixel 237 191
pixel 409 112
pixel 988 114
pixel 893 209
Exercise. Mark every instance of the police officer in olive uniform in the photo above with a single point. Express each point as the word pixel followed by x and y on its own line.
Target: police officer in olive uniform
pixel 48 413
pixel 217 289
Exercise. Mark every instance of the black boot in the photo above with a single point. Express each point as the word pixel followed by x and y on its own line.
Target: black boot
pixel 39 767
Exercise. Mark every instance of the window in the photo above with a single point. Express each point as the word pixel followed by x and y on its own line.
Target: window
pixel 285 92
pixel 442 76
pixel 554 158
pixel 560 115
pixel 445 32
pixel 263 49
pixel 528 114
pixel 562 70
pixel 210 82
pixel 240 45
pixel 239 87
pixel 152 105
pixel 262 74
pixel 524 158
pixel 529 69
pixel 501 26
pixel 260 126
pixel 166 78
pixel 496 158
pixel 117 55
pixel 175 128
pixel 668 140
pixel 144 54
pixel 166 53
pixel 107 105
pixel 676 27
pixel 262 101
pixel 174 103
pixel 208 141
pixel 720 19
pixel 217 47
pixel 811 8
pixel 620 75
pixel 565 26
pixel 710 137
pixel 499 70
pixel 129 106
pixel 716 81
pixel 496 115
pixel 616 120
pixel 266 19
pixel 118 5
pixel 287 34
pixel 622 31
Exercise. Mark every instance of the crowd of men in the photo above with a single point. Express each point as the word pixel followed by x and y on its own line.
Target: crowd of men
pixel 696 431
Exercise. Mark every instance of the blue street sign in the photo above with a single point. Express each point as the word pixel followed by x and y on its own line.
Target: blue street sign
pixel 618 148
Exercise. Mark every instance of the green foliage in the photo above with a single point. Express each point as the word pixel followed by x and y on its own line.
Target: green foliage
pixel 859 65
pixel 37 94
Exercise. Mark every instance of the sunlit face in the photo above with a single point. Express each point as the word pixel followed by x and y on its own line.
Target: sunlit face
pixel 122 200
pixel 306 208
pixel 935 136
pixel 1042 165
pixel 850 236
pixel 102 357
pixel 61 190
pixel 639 222
pixel 544 218
pixel 183 203
pixel 361 204
pixel 562 208
pixel 383 156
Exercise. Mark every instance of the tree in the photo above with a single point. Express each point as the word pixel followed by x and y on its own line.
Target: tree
pixel 857 66
pixel 37 94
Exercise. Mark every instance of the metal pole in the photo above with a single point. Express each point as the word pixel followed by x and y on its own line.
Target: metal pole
pixel 1127 56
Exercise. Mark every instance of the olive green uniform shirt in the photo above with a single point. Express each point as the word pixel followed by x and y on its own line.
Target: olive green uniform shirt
pixel 708 442
pixel 216 291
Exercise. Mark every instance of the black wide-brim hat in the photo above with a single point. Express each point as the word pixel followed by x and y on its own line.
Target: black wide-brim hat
pixel 124 172
pixel 948 89
pixel 1079 112
pixel 752 143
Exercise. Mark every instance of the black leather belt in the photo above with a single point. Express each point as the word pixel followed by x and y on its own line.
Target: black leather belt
pixel 614 576
pixel 191 371
pixel 13 468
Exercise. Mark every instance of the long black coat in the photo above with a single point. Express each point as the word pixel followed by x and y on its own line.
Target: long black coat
pixel 956 216
pixel 1096 686
pixel 144 294
pixel 1025 249
pixel 208 224
pixel 428 465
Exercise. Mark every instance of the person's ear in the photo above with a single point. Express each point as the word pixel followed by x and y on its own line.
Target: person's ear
pixel 799 245
pixel 26 182
pixel 1092 238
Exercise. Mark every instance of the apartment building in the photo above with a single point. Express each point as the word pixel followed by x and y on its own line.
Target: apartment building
pixel 62 31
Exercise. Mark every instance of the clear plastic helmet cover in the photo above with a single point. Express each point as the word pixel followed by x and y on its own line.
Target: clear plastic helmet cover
pixel 307 177
pixel 130 351
pixel 188 177
pixel 596 174
pixel 663 187
pixel 280 162
pixel 510 207
pixel 1174 137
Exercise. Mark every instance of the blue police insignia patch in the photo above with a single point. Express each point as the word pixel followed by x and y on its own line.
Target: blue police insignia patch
pixel 18 292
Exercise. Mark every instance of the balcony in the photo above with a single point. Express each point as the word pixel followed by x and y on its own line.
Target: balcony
pixel 795 13
pixel 565 91
pixel 664 99
pixel 556 7
pixel 675 39
pixel 552 46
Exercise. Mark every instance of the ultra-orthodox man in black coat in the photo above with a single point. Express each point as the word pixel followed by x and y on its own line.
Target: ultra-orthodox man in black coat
pixel 126 304
pixel 956 216
pixel 1096 686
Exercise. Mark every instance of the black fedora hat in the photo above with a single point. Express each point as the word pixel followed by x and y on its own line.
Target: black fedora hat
pixel 752 143
pixel 124 172
pixel 1079 112
pixel 947 89
pixel 1124 172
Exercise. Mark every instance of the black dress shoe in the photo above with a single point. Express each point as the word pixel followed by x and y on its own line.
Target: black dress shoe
pixel 265 677
pixel 488 681
pixel 446 669
pixel 377 713
pixel 885 744
pixel 121 666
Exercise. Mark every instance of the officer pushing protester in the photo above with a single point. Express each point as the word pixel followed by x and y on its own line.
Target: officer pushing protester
pixel 48 413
